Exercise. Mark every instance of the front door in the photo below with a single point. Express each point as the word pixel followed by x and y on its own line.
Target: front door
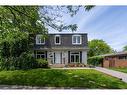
pixel 57 57
pixel 75 57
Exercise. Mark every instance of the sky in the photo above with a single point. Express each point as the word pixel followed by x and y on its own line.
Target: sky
pixel 108 23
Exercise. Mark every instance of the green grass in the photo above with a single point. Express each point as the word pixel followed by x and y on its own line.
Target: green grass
pixel 88 78
pixel 120 69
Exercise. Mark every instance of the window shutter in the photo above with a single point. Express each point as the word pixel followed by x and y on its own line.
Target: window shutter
pixel 54 57
pixel 46 55
pixel 80 56
pixel 68 56
pixel 61 57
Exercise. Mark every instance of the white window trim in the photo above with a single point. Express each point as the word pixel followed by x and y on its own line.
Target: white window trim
pixel 59 39
pixel 75 54
pixel 76 40
pixel 37 41
pixel 40 55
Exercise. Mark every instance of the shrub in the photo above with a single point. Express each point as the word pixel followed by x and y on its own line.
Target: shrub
pixel 42 63
pixel 24 61
pixel 95 60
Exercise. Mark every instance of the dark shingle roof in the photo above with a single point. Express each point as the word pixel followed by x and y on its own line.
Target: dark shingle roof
pixel 115 54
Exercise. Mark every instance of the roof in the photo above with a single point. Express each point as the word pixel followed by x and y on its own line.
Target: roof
pixel 63 48
pixel 67 33
pixel 115 54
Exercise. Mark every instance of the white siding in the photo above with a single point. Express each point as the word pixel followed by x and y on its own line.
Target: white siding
pixel 50 59
pixel 84 57
pixel 65 57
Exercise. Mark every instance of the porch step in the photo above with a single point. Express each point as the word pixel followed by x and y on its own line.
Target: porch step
pixel 57 65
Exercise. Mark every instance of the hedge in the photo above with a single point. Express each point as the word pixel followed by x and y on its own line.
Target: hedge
pixel 95 60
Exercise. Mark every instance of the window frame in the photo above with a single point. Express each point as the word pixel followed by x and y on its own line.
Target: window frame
pixel 71 53
pixel 124 57
pixel 59 39
pixel 43 53
pixel 76 39
pixel 40 40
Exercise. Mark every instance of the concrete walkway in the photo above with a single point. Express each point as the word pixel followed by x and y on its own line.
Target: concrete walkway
pixel 117 74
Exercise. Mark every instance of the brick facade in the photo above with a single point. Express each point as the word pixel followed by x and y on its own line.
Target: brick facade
pixel 115 61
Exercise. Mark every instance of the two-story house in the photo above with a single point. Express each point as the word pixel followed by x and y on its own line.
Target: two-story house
pixel 61 49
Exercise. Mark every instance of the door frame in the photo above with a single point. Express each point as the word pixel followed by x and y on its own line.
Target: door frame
pixel 75 56
pixel 56 54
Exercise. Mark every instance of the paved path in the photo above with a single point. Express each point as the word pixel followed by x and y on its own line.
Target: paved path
pixel 117 74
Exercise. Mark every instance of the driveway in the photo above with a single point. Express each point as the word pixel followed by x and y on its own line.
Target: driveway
pixel 122 76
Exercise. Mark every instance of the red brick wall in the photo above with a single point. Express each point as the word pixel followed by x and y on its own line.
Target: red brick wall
pixel 105 63
pixel 121 63
pixel 118 63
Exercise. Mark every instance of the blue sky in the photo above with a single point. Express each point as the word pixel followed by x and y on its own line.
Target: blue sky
pixel 108 23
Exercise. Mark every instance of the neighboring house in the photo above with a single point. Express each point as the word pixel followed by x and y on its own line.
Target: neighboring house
pixel 115 60
pixel 61 49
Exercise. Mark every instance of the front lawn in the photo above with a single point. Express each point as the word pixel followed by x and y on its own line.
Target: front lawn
pixel 120 69
pixel 61 78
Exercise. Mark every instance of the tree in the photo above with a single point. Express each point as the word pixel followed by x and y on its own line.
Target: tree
pixel 125 48
pixel 21 18
pixel 35 18
pixel 98 47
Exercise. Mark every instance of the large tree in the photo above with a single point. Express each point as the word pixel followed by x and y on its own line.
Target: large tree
pixel 98 47
pixel 35 18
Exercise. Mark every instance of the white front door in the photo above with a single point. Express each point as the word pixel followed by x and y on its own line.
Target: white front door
pixel 57 57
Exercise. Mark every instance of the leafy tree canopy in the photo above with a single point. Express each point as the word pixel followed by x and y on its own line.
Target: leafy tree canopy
pixel 98 47
pixel 35 18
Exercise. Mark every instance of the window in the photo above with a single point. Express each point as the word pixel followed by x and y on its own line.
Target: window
pixel 40 55
pixel 40 39
pixel 57 39
pixel 76 39
pixel 123 57
pixel 75 57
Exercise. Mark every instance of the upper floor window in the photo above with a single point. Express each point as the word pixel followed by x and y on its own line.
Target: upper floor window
pixel 40 39
pixel 76 39
pixel 57 39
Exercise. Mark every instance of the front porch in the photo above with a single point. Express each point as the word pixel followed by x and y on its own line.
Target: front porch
pixel 67 65
pixel 63 58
